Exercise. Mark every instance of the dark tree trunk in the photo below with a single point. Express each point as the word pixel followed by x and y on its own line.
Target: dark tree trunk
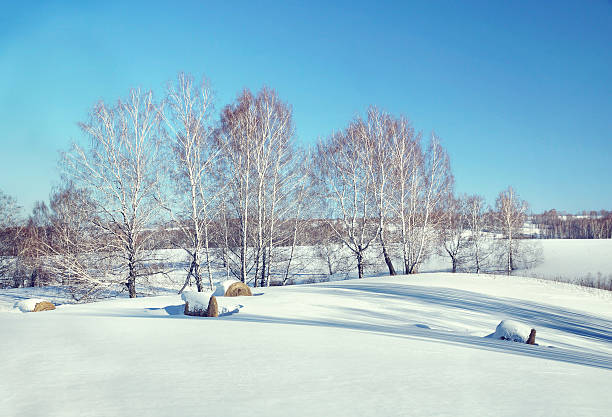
pixel 131 285
pixel 263 269
pixel 387 258
pixel 195 270
pixel 34 278
pixel 360 263
pixel 131 281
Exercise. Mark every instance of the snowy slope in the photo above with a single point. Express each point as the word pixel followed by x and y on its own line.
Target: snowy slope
pixel 380 346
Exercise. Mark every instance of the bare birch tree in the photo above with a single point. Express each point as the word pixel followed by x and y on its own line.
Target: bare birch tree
pixel 453 230
pixel 510 213
pixel 120 169
pixel 377 134
pixel 187 116
pixel 256 142
pixel 424 179
pixel 343 178
pixel 238 125
pixel 476 225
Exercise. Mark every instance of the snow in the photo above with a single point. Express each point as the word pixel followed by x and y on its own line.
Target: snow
pixel 512 330
pixel 574 259
pixel 197 300
pixel 406 345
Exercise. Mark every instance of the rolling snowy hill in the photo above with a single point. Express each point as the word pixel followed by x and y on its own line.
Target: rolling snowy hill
pixel 408 345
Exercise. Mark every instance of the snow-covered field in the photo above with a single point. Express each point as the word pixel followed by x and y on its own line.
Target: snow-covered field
pixel 407 345
pixel 569 260
pixel 574 259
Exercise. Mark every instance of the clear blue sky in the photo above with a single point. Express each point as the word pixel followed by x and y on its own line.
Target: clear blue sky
pixel 520 92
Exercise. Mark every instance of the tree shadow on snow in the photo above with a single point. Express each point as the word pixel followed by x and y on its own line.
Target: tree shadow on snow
pixel 538 315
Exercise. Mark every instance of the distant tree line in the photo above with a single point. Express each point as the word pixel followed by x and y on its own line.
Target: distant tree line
pixel 238 196
pixel 591 225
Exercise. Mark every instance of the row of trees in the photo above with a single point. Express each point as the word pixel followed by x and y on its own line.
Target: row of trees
pixel 237 195
pixel 593 225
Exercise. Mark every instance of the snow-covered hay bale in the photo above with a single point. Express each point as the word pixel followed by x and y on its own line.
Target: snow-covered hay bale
pixel 34 305
pixel 223 286
pixel 512 330
pixel 213 307
pixel 196 303
pixel 238 289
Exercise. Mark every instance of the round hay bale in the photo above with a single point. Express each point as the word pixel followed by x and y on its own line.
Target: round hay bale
pixel 213 307
pixel 238 289
pixel 44 306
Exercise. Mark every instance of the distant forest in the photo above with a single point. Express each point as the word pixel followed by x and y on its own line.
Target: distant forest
pixel 587 225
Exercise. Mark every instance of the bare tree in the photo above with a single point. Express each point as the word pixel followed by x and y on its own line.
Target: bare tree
pixel 476 225
pixel 377 134
pixel 510 213
pixel 453 228
pixel 9 228
pixel 73 252
pixel 424 180
pixel 120 170
pixel 344 180
pixel 257 164
pixel 187 116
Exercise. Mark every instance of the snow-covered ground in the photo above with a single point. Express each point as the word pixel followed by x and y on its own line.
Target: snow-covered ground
pixel 569 260
pixel 574 259
pixel 407 345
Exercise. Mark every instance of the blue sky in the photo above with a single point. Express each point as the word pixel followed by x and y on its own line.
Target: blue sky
pixel 519 92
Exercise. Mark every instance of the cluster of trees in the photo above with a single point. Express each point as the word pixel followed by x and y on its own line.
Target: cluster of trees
pixel 591 225
pixel 237 194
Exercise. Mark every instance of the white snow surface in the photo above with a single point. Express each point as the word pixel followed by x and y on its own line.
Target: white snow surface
pixel 388 346
pixel 512 330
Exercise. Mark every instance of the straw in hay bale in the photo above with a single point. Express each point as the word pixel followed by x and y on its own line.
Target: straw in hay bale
pixel 213 307
pixel 531 340
pixel 238 289
pixel 44 306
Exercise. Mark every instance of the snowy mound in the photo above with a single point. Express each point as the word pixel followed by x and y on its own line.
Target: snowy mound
pixel 197 300
pixel 512 330
pixel 27 306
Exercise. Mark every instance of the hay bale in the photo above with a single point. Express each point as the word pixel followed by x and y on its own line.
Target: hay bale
pixel 213 307
pixel 43 306
pixel 531 340
pixel 238 289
